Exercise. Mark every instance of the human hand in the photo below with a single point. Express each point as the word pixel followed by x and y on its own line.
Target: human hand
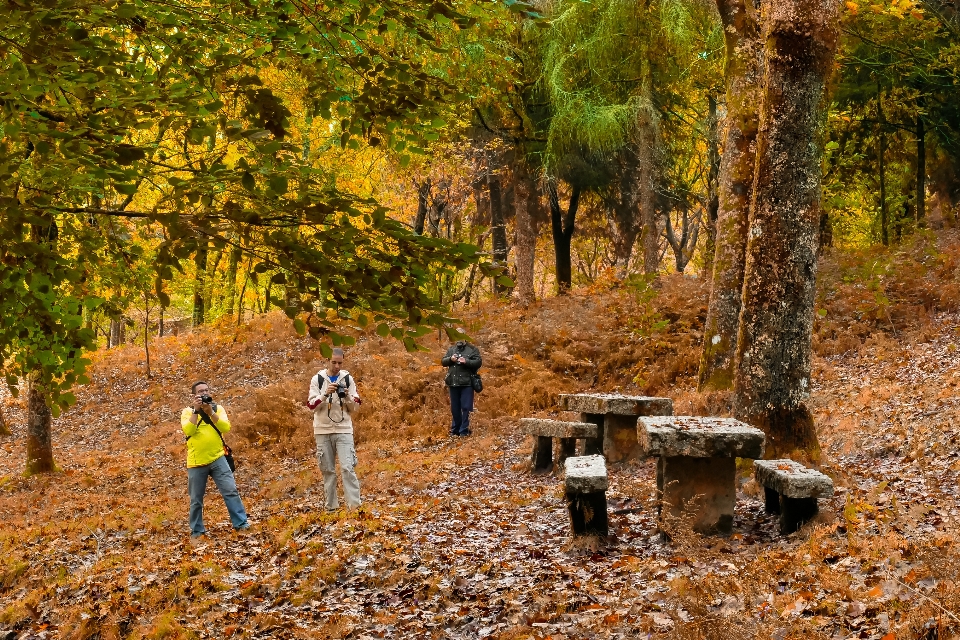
pixel 331 389
pixel 198 405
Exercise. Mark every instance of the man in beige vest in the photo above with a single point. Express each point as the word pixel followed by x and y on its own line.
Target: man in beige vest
pixel 334 400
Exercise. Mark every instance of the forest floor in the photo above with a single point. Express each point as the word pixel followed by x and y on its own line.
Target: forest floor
pixel 456 539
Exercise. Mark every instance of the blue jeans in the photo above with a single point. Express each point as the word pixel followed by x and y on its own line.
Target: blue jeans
pixel 461 404
pixel 219 470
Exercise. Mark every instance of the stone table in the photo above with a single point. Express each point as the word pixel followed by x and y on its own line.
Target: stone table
pixel 545 431
pixel 696 471
pixel 616 418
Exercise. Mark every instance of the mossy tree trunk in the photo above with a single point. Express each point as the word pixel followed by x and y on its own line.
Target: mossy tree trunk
pixel 734 188
pixel 39 426
pixel 230 295
pixel 774 343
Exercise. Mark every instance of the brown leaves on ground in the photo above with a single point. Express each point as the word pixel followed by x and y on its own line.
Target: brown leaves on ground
pixel 457 539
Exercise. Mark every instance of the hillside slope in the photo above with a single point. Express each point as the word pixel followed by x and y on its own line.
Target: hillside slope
pixel 457 539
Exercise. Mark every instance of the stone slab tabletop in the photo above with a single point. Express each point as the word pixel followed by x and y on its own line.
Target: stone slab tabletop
pixel 585 474
pixel 792 479
pixel 557 428
pixel 698 437
pixel 603 403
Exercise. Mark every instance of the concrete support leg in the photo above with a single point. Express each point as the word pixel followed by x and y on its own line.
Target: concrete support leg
pixel 701 490
pixel 568 449
pixel 588 513
pixel 772 500
pixel 542 454
pixel 620 438
pixel 593 446
pixel 795 512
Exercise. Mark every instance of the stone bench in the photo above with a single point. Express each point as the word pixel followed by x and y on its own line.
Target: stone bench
pixel 544 431
pixel 696 470
pixel 791 490
pixel 616 418
pixel 585 484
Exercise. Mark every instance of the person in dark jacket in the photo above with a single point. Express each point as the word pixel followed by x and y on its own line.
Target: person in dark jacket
pixel 462 361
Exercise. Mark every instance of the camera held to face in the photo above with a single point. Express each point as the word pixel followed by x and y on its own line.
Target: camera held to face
pixel 206 399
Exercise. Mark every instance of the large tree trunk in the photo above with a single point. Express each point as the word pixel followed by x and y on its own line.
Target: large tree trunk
pixel 200 260
pixel 562 225
pixel 646 159
pixel 39 442
pixel 735 185
pixel 774 344
pixel 528 228
pixel 499 227
pixel 624 219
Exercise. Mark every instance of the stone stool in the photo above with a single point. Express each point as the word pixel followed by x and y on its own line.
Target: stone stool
pixel 544 431
pixel 791 490
pixel 585 481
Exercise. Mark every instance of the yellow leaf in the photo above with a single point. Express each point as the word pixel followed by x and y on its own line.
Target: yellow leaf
pixel 853 8
pixel 876 592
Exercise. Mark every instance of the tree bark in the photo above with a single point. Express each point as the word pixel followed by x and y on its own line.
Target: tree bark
pixel 563 225
pixel 200 260
pixel 4 429
pixel 774 343
pixel 146 333
pixel 526 202
pixel 499 227
pixel 921 172
pixel 622 204
pixel 684 246
pixel 39 441
pixel 744 56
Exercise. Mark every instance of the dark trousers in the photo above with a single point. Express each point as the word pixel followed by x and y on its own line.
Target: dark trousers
pixel 461 404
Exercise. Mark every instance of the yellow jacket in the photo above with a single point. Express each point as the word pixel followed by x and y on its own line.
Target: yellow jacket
pixel 203 444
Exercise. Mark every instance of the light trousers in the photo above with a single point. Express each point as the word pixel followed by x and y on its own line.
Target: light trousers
pixel 339 446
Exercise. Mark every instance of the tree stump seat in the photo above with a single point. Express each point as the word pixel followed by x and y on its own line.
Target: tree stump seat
pixel 585 484
pixel 616 418
pixel 696 470
pixel 544 431
pixel 791 490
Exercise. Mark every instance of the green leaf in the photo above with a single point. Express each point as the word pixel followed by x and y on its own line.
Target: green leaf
pixel 505 281
pixel 383 330
pixel 278 184
pixel 300 327
pixel 125 189
pixel 325 350
pixel 248 182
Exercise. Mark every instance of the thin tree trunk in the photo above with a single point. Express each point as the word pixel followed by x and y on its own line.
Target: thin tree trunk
pixel 921 172
pixel 160 323
pixel 210 280
pixel 4 429
pixel 499 228
pixel 774 345
pixel 230 300
pixel 646 159
pixel 735 186
pixel 882 135
pixel 526 203
pixel 39 440
pixel 563 225
pixel 200 260
pixel 146 333
pixel 713 195
pixel 423 202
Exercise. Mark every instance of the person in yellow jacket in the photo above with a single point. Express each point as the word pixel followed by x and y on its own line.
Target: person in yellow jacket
pixel 203 424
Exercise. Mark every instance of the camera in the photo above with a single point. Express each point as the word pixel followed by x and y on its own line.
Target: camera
pixel 342 389
pixel 206 399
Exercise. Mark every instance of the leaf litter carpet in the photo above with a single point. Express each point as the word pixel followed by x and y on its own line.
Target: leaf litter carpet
pixel 458 540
